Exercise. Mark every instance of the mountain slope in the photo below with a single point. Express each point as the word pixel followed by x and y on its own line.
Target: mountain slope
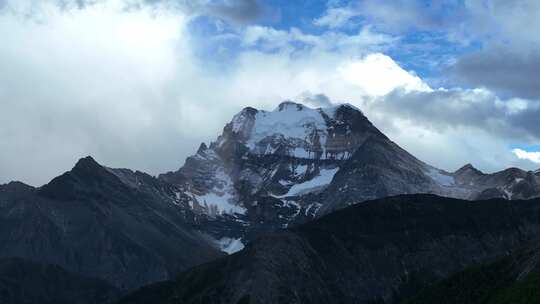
pixel 269 170
pixel 23 281
pixel 124 227
pixel 512 279
pixel 378 251
pixel 256 171
pixel 378 168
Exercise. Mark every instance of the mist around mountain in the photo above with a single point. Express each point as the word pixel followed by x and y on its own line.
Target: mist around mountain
pixel 282 192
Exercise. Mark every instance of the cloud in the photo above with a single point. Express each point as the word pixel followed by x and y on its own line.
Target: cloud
pixel 93 81
pixel 531 156
pixel 441 32
pixel 396 16
pixel 336 17
pixel 502 70
pixel 450 127
pixel 464 108
pixel 509 56
pixel 33 8
pixel 378 75
pixel 314 100
pixel 361 42
pixel 498 20
pixel 237 11
pixel 504 21
pixel 232 11
pixel 129 85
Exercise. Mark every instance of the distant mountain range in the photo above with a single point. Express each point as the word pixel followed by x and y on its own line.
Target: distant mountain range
pixel 267 171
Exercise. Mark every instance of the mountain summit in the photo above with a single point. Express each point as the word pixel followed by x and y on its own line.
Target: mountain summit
pixel 259 171
pixel 272 169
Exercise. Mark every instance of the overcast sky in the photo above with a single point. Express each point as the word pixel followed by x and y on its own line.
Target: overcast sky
pixel 141 83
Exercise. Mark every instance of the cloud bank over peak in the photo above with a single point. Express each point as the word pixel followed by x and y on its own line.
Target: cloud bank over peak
pixel 378 75
pixel 128 86
pixel 140 84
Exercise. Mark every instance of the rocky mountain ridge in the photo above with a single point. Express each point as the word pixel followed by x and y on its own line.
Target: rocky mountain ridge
pixel 269 170
pixel 273 169
pixel 126 228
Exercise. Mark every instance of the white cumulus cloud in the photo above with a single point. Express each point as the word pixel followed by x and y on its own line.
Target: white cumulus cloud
pixel 378 75
pixel 532 156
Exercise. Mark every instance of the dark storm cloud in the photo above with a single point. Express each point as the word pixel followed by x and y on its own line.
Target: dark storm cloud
pixel 395 16
pixel 528 121
pixel 233 11
pixel 457 108
pixel 236 11
pixel 509 57
pixel 400 15
pixel 502 70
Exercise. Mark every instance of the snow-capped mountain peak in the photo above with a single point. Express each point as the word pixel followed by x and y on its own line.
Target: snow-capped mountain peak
pixel 295 130
pixel 271 169
pixel 270 160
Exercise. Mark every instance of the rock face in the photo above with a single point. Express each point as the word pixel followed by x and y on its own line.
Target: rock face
pixel 123 227
pixel 271 170
pixel 381 168
pixel 23 281
pixel 257 171
pixel 376 252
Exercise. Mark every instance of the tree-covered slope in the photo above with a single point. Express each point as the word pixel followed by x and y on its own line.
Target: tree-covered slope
pixel 512 279
pixel 26 282
pixel 378 251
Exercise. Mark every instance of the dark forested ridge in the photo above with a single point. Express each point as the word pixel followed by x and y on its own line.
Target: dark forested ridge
pixel 377 252
pixel 511 279
pixel 23 281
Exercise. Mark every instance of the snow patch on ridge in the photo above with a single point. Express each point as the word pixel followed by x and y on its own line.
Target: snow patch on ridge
pixel 230 245
pixel 220 200
pixel 290 121
pixel 441 178
pixel 323 179
pixel 300 170
pixel 291 129
pixel 219 204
